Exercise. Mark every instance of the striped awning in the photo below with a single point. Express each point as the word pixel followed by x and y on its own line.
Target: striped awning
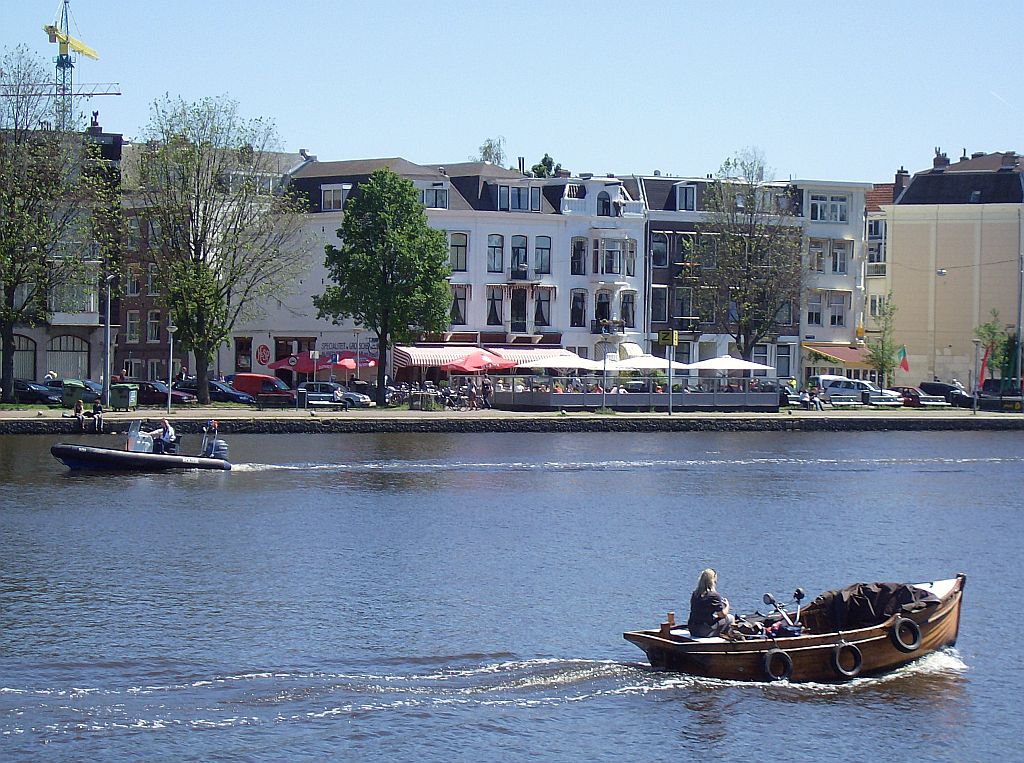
pixel 430 356
pixel 524 355
pixel 852 357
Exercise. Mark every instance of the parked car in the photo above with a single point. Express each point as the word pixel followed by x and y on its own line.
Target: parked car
pixel 915 397
pixel 332 392
pixel 93 390
pixel 30 392
pixel 219 391
pixel 951 393
pixel 265 388
pixel 855 389
pixel 155 393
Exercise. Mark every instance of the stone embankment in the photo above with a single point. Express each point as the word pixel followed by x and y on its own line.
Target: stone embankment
pixel 236 421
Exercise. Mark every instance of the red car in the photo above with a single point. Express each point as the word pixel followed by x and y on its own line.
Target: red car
pixel 155 393
pixel 913 397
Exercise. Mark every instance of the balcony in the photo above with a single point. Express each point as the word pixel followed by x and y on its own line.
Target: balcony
pixel 522 273
pixel 607 326
pixel 874 269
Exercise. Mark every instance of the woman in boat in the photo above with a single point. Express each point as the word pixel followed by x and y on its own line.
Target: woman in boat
pixel 709 610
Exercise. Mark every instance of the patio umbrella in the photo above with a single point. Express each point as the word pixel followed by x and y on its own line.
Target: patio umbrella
pixel 650 363
pixel 478 360
pixel 300 363
pixel 727 363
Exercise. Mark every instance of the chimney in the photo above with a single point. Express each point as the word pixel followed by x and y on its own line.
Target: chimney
pixel 941 161
pixel 94 124
pixel 522 165
pixel 977 154
pixel 901 181
pixel 1009 161
pixel 564 174
pixel 657 173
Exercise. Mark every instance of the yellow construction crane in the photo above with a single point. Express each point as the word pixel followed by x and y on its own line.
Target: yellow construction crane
pixel 65 91
pixel 68 42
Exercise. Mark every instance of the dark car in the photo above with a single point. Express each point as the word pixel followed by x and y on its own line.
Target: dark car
pixel 332 392
pixel 31 393
pixel 915 397
pixel 93 390
pixel 951 393
pixel 219 391
pixel 155 393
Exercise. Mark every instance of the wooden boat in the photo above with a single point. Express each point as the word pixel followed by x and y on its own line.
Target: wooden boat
pixel 138 455
pixel 863 629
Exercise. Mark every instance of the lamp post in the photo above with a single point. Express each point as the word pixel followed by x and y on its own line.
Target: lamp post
pixel 171 328
pixel 974 387
pixel 106 346
pixel 357 332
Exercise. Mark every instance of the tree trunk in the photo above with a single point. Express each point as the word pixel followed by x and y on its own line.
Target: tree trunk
pixel 7 372
pixel 382 356
pixel 203 375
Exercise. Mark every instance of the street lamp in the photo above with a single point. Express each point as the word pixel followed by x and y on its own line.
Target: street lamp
pixel 171 328
pixel 357 332
pixel 106 347
pixel 974 390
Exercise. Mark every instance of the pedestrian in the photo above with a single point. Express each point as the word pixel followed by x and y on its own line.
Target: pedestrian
pixel 487 390
pixel 97 416
pixel 471 393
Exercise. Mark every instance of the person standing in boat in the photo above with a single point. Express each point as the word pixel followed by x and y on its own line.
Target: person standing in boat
pixel 709 610
pixel 163 438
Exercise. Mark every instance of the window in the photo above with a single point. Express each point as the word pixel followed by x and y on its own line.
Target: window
pixel 519 199
pixel 457 251
pixel 760 355
pixel 840 255
pixel 784 315
pixel 659 304
pixel 542 254
pixel 132 285
pixel 154 369
pixel 535 199
pixel 814 309
pixel 682 302
pixel 578 308
pixel 435 198
pixel 876 259
pixel 134 368
pixel 783 362
pixel 518 311
pixel 542 308
pixel 495 253
pixel 829 208
pixel 603 308
pixel 503 198
pixel 153 326
pixel 578 257
pixel 612 256
pixel 816 255
pixel 837 309
pixel 627 310
pixel 134 234
pixel 333 197
pixel 604 204
pixel 495 313
pixel 876 305
pixel 243 353
pixel 708 252
pixel 151 280
pixel 630 257
pixel 708 307
pixel 687 246
pixel 132 327
pixel 686 198
pixel 458 311
pixel 876 229
pixel 659 250
pixel 519 259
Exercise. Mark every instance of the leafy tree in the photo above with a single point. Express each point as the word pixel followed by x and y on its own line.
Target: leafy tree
pixel 51 242
pixel 226 232
pixel 391 272
pixel 994 342
pixel 882 350
pixel 546 168
pixel 747 267
pixel 493 151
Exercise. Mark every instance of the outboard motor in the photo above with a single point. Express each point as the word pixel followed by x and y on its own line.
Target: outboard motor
pixel 213 447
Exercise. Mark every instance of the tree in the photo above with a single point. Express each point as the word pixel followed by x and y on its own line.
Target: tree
pixel 391 272
pixel 748 253
pixel 546 168
pixel 226 230
pixel 51 244
pixel 493 151
pixel 998 345
pixel 882 350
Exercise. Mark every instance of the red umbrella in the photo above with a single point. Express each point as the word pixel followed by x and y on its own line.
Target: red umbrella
pixel 300 363
pixel 479 360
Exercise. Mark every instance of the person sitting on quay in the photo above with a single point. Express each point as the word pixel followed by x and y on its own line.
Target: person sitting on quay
pixel 80 414
pixel 97 416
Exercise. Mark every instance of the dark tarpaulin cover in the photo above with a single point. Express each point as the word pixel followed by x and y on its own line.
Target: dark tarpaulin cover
pixel 864 604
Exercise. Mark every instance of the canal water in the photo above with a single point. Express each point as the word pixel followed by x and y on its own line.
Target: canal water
pixel 463 597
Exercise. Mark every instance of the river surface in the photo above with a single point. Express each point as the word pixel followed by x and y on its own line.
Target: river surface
pixel 463 597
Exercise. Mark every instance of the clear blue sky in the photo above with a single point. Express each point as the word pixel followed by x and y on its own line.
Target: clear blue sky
pixel 827 90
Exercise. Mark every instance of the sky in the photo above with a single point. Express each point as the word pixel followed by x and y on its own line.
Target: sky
pixel 834 90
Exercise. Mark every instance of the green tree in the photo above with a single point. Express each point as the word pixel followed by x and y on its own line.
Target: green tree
pixel 747 268
pixel 52 245
pixel 226 230
pixel 391 272
pixel 546 168
pixel 492 150
pixel 882 349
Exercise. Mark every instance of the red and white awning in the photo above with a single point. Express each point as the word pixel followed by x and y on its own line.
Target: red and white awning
pixel 430 356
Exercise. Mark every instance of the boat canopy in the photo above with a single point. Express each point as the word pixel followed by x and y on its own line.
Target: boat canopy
pixel 862 605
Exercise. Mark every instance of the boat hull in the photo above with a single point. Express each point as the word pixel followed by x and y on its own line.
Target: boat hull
pixel 89 457
pixel 820 657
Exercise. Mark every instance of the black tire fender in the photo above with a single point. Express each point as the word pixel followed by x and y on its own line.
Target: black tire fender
pixel 896 633
pixel 775 658
pixel 844 648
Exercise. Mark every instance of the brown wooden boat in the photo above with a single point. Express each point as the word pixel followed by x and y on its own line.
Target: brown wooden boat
pixel 863 629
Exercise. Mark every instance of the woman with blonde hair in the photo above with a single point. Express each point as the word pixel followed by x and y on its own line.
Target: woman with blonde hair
pixel 709 610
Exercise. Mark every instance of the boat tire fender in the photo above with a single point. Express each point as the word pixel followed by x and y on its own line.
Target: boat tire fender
pixel 904 625
pixel 778 666
pixel 844 648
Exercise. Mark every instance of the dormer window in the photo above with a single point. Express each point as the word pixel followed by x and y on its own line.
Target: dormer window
pixel 333 197
pixel 604 204
pixel 435 198
pixel 518 198
pixel 686 198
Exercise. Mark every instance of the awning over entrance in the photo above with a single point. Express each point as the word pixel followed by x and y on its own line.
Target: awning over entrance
pixel 531 355
pixel 430 356
pixel 853 357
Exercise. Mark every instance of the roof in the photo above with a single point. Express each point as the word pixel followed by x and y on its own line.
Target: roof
pixel 484 169
pixel 881 194
pixel 996 178
pixel 363 167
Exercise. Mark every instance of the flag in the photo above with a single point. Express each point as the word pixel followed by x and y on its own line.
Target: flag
pixel 984 364
pixel 901 356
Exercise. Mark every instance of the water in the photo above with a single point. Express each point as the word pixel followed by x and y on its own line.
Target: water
pixel 460 597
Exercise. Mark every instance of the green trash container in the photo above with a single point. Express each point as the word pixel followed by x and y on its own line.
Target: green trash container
pixel 124 397
pixel 73 391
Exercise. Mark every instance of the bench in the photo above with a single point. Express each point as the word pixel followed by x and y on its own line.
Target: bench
pixel 330 405
pixel 837 401
pixel 274 401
